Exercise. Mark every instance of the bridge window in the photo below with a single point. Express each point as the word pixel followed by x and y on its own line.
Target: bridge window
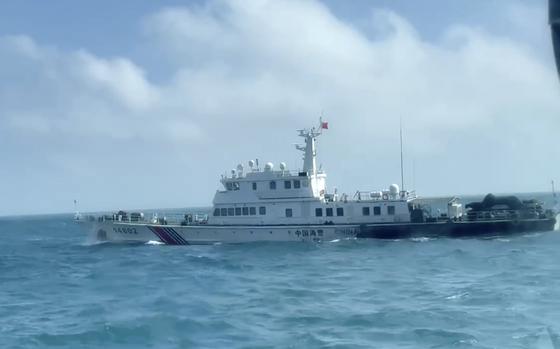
pixel 391 210
pixel 254 185
pixel 377 211
pixel 252 211
pixel 289 212
pixel 235 186
pixel 339 211
pixel 245 211
pixel 230 211
pixel 287 184
pixel 297 184
pixel 365 211
pixel 229 186
pixel 262 210
pixel 238 211
pixel 272 185
pixel 217 212
pixel 329 211
pixel 223 212
pixel 319 212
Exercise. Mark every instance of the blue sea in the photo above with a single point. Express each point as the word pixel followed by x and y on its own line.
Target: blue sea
pixel 59 291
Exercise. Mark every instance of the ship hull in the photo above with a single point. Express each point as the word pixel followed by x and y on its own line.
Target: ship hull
pixel 456 229
pixel 211 234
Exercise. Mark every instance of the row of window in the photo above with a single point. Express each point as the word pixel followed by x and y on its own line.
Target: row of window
pixel 329 212
pixel 377 210
pixel 296 184
pixel 239 211
pixel 232 185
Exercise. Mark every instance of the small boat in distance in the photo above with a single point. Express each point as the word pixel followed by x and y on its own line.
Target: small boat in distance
pixel 271 204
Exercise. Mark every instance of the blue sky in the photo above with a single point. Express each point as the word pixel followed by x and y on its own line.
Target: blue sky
pixel 138 104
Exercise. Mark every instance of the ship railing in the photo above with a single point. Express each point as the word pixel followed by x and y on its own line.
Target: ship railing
pixel 165 219
pixel 367 196
pixel 505 215
pixel 276 173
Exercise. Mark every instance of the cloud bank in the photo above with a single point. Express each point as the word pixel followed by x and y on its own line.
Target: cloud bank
pixel 480 110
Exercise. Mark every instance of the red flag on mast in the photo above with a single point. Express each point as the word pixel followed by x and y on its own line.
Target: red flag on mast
pixel 324 125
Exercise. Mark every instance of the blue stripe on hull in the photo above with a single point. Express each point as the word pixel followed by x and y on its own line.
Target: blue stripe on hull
pixel 176 235
pixel 168 235
pixel 156 234
pixel 164 236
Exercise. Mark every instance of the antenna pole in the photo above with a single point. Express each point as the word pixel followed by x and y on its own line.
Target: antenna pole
pixel 402 168
pixel 554 196
pixel 413 174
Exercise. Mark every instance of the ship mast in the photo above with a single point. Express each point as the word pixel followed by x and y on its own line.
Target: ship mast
pixel 402 167
pixel 554 196
pixel 309 149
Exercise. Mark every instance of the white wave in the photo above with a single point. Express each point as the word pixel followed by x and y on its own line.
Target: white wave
pixel 153 242
pixel 335 240
pixel 17 304
pixel 91 240
pixel 458 296
pixel 532 235
pixel 422 239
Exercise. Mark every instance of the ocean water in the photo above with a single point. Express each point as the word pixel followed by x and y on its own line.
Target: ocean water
pixel 59 291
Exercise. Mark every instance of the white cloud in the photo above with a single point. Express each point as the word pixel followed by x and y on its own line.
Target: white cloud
pixel 475 105
pixel 120 77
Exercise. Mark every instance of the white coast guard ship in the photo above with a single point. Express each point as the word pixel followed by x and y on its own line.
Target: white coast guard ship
pixel 265 205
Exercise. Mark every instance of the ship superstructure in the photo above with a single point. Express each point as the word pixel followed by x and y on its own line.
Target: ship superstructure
pixel 280 196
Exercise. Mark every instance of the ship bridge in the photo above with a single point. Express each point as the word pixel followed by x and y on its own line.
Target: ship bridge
pixel 256 185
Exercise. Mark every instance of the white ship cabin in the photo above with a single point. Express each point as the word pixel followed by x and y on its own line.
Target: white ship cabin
pixel 283 197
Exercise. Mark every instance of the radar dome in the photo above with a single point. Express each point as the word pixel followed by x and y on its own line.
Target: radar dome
pixel 394 189
pixel 240 168
pixel 283 166
pixel 269 166
pixel 251 163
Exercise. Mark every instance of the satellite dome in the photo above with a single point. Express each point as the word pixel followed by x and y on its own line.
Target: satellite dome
pixel 283 166
pixel 269 166
pixel 394 189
